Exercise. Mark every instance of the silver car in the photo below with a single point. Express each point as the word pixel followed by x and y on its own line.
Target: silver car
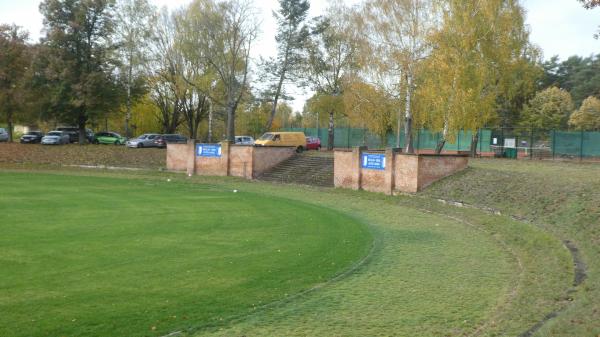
pixel 55 138
pixel 3 135
pixel 145 140
pixel 244 140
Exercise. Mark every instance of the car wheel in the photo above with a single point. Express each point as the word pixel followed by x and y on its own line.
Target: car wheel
pixel 140 145
pixel 299 149
pixel 117 142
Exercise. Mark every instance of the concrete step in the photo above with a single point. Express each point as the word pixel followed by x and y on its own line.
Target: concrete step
pixel 302 169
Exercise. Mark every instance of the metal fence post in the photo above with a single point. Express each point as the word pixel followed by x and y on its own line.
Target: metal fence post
pixel 581 146
pixel 531 144
pixel 553 143
pixel 480 140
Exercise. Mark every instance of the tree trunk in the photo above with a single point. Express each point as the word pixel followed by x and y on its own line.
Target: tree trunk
pixel 128 113
pixel 399 127
pixel 10 126
pixel 408 146
pixel 231 122
pixel 210 123
pixel 440 145
pixel 474 142
pixel 330 132
pixel 81 125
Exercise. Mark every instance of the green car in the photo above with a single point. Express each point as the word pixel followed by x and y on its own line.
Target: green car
pixel 109 138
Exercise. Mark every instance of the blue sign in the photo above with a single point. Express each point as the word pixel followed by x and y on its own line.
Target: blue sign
pixel 208 150
pixel 373 161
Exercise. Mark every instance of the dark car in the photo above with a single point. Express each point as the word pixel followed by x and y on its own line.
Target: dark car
pixel 73 133
pixel 32 137
pixel 163 140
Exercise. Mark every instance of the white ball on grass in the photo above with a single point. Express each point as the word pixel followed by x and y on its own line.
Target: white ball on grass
pixel 169 180
pixel 235 191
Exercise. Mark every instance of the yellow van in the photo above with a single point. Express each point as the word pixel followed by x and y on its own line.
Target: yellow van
pixel 295 139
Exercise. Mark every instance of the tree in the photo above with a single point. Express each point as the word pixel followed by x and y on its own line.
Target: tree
pixel 227 31
pixel 549 109
pixel 332 56
pixel 80 65
pixel 396 32
pixel 588 115
pixel 579 76
pixel 479 47
pixel 589 4
pixel 368 106
pixel 291 37
pixel 163 71
pixel 14 63
pixel 133 19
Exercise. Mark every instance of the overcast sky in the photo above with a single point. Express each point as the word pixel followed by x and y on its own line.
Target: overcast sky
pixel 559 27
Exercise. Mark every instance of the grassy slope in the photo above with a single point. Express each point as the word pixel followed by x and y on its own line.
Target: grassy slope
pixel 561 198
pixel 482 275
pixel 89 256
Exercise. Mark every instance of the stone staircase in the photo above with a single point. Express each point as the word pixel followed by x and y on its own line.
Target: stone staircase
pixel 309 168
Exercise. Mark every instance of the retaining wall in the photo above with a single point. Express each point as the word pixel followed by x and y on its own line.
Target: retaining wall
pixel 399 172
pixel 234 160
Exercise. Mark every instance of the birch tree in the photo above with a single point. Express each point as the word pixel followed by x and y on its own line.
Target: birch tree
pixel 471 65
pixel 133 21
pixel 396 32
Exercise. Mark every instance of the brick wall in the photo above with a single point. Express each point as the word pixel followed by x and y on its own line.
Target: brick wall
pixel 403 172
pixel 236 160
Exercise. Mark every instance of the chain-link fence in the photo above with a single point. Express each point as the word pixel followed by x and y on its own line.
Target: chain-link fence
pixel 516 143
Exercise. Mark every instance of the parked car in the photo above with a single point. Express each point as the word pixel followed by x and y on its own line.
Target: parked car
pixel 145 140
pixel 32 137
pixel 73 133
pixel 163 140
pixel 295 139
pixel 109 138
pixel 244 140
pixel 55 138
pixel 3 135
pixel 313 143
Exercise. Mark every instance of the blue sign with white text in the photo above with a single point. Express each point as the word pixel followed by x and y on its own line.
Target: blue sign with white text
pixel 373 161
pixel 208 150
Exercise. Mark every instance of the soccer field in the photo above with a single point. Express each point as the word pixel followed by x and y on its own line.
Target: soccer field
pixel 89 256
pixel 93 253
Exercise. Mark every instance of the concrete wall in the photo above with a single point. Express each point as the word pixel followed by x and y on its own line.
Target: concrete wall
pixel 404 173
pixel 236 160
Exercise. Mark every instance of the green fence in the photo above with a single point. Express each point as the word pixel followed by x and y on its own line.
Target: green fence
pixel 576 144
pixel 423 139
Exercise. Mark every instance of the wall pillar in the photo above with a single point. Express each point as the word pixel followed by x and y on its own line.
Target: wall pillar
pixel 390 170
pixel 225 151
pixel 357 171
pixel 191 158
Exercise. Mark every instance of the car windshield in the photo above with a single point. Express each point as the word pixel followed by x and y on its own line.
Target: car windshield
pixel 267 136
pixel 54 133
pixel 31 133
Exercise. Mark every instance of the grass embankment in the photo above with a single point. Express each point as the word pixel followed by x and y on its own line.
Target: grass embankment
pixel 561 198
pixel 435 270
pixel 92 256
pixel 28 155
